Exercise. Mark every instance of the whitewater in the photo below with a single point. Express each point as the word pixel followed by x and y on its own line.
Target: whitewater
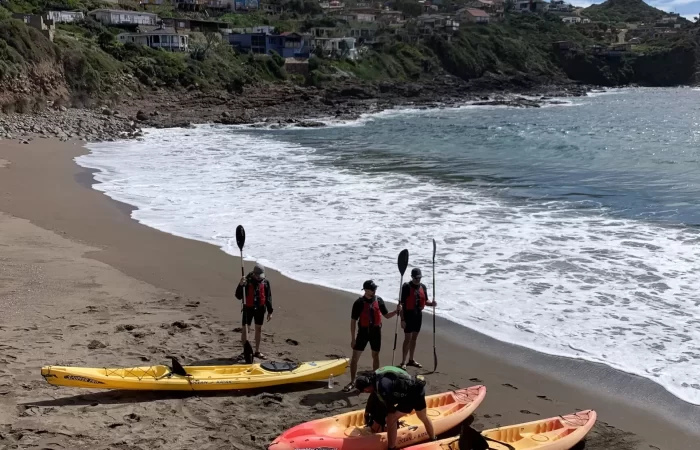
pixel 540 242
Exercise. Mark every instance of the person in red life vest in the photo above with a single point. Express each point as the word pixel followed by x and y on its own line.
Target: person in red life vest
pixel 414 297
pixel 368 311
pixel 258 298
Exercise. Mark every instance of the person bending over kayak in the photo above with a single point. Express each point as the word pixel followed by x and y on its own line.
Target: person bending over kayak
pixel 368 311
pixel 414 298
pixel 258 298
pixel 399 394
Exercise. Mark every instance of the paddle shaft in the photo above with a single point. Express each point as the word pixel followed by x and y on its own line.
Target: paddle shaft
pixel 396 327
pixel 435 359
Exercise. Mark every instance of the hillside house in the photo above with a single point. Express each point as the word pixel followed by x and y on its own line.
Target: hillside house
pixel 65 16
pixel 437 23
pixel 332 5
pixel 161 38
pixel 121 17
pixel 267 29
pixel 287 45
pixel 342 46
pixel 195 24
pixel 45 25
pixel 531 6
pixel 473 15
pixel 388 17
pixel 571 19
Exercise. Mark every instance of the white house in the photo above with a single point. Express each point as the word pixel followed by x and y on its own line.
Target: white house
pixel 65 16
pixel 335 46
pixel 162 38
pixel 265 29
pixel 571 19
pixel 121 17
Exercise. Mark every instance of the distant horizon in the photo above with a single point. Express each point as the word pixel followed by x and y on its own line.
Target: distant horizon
pixel 686 8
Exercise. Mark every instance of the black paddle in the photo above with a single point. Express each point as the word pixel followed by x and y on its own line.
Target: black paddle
pixel 403 264
pixel 434 350
pixel 240 240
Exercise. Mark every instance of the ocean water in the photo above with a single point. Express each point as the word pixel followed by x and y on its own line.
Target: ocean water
pixel 571 229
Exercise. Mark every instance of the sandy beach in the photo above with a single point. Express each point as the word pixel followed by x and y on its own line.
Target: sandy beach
pixel 75 269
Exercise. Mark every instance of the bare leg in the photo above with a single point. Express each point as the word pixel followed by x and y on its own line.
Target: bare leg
pixel 423 416
pixel 406 345
pixel 353 364
pixel 392 423
pixel 414 339
pixel 375 360
pixel 258 334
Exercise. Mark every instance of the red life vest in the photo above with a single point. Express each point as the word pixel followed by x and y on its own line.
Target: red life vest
pixel 371 316
pixel 250 298
pixel 416 295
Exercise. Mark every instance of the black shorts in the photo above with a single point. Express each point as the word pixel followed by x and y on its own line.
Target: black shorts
pixel 372 335
pixel 414 402
pixel 413 320
pixel 250 313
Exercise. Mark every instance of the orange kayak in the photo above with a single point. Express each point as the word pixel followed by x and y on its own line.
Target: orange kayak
pixel 556 433
pixel 348 431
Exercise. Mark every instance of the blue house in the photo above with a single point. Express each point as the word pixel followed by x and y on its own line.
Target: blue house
pixel 287 45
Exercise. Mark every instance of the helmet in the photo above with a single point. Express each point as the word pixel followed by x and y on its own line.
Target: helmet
pixel 363 382
pixel 369 284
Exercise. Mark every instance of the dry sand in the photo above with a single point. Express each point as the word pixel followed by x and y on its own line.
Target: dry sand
pixel 75 270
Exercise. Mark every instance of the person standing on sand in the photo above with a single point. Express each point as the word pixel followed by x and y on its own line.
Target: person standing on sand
pixel 368 311
pixel 414 298
pixel 398 394
pixel 258 298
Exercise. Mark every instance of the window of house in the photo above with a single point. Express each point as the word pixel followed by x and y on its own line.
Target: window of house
pixel 257 41
pixel 156 39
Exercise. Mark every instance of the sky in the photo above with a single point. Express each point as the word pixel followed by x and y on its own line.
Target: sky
pixel 687 8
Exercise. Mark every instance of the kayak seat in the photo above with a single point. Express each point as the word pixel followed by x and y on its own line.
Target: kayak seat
pixel 274 366
pixel 177 368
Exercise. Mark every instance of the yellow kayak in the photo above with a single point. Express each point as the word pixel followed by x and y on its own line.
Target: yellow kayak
pixel 194 378
pixel 556 433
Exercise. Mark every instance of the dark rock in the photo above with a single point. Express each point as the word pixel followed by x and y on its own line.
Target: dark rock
pixel 94 344
pixel 140 115
pixel 311 124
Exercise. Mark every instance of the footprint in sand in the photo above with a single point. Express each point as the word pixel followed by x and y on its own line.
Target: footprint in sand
pixel 509 385
pixel 475 380
pixel 132 418
pixel 292 342
pixel 544 397
pixel 525 411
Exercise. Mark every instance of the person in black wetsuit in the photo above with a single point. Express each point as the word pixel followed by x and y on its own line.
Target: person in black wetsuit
pixel 414 298
pixel 258 299
pixel 367 312
pixel 397 393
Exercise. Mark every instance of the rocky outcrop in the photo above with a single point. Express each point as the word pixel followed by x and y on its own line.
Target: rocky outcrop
pixel 64 123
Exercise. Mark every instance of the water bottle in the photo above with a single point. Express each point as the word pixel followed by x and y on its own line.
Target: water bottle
pixel 330 381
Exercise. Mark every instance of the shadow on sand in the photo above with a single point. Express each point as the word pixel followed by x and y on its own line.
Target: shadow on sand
pixel 117 396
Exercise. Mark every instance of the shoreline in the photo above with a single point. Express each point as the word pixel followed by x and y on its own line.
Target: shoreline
pixel 62 200
pixel 626 385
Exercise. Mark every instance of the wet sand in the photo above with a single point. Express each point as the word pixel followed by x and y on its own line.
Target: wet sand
pixel 76 268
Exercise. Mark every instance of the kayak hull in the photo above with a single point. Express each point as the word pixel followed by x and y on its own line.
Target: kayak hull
pixel 348 431
pixel 555 433
pixel 198 378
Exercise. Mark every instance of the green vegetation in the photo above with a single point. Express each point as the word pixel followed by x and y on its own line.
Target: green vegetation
pixel 95 65
pixel 623 11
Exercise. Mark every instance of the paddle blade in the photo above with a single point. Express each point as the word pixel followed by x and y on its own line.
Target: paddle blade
pixel 240 237
pixel 403 261
pixel 248 352
pixel 434 249
pixel 434 360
